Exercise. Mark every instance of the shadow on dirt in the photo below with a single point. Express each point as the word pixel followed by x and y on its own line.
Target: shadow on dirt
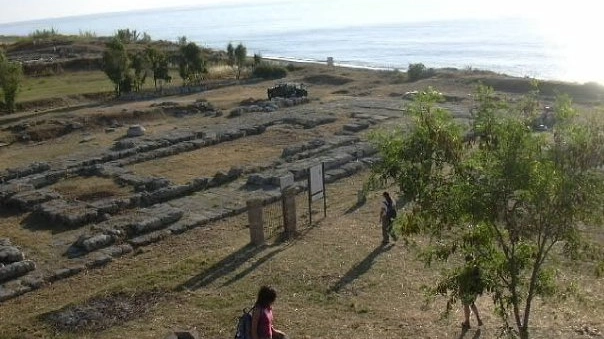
pixel 360 268
pixel 225 266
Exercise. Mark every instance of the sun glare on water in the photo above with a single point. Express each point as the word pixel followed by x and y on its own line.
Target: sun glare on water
pixel 574 37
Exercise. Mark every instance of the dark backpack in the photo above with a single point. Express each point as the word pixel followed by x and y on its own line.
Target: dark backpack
pixel 244 325
pixel 390 210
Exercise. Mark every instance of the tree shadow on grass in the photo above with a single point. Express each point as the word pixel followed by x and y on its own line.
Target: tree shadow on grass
pixel 360 268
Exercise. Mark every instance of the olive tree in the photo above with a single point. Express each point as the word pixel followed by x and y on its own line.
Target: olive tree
pixel 191 63
pixel 230 50
pixel 159 64
pixel 240 56
pixel 513 198
pixel 116 64
pixel 11 75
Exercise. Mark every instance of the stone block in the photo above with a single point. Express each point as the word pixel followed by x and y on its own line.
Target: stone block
pixel 135 131
pixel 16 269
pixel 10 254
pixel 99 260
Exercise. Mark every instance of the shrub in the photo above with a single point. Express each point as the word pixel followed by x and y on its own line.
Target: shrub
pixel 268 71
pixel 419 71
pixel 291 67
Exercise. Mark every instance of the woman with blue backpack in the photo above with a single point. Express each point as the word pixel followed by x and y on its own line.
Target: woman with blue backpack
pixel 262 316
pixel 257 322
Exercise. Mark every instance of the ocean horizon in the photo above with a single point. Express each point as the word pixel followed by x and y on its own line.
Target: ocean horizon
pixel 512 46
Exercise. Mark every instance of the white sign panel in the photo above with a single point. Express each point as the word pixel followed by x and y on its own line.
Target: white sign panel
pixel 316 182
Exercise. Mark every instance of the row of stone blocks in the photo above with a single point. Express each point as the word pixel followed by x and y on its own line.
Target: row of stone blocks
pixel 12 263
pixel 21 284
pixel 75 214
pixel 168 145
pixel 23 194
pixel 26 200
pixel 268 106
pixel 15 173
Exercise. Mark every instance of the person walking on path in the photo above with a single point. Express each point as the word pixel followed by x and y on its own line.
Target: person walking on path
pixel 262 316
pixel 470 287
pixel 387 216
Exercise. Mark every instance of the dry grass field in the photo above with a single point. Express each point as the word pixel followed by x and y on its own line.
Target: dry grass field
pixel 334 279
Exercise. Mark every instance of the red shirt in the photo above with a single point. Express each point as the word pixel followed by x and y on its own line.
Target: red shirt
pixel 265 323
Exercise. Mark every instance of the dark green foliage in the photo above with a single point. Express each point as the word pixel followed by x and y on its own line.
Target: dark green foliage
pixel 159 64
pixel 127 36
pixel 142 67
pixel 268 71
pixel 191 65
pixel 257 59
pixel 230 55
pixel 240 56
pixel 116 64
pixel 44 34
pixel 419 71
pixel 11 75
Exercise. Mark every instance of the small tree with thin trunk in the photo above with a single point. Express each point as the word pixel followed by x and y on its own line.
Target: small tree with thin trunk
pixel 230 55
pixel 116 65
pixel 240 56
pixel 191 64
pixel 11 75
pixel 513 199
pixel 159 64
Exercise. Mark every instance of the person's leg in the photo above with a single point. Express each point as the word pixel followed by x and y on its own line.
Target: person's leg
pixel 466 316
pixel 475 310
pixel 385 234
pixel 391 231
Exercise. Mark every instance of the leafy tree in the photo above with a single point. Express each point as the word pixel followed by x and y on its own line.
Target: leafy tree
pixel 191 64
pixel 257 59
pixel 240 56
pixel 116 65
pixel 159 64
pixel 11 75
pixel 141 66
pixel 419 71
pixel 508 200
pixel 128 36
pixel 230 55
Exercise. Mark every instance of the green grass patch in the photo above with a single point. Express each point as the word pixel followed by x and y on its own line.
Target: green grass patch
pixel 72 83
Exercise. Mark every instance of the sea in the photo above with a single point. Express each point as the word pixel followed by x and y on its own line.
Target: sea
pixel 359 37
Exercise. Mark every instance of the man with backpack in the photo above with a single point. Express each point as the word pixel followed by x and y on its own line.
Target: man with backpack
pixel 387 216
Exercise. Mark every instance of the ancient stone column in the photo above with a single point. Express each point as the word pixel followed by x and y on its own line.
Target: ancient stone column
pixel 254 215
pixel 289 211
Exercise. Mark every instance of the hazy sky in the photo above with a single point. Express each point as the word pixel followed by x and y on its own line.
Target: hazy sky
pixel 24 10
pixel 559 13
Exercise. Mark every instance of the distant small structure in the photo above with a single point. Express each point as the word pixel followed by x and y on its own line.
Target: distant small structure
pixel 135 131
pixel 330 62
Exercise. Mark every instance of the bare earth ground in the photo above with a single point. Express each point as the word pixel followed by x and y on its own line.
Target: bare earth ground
pixel 334 280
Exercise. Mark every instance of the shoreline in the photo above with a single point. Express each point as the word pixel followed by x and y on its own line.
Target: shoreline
pixel 286 60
